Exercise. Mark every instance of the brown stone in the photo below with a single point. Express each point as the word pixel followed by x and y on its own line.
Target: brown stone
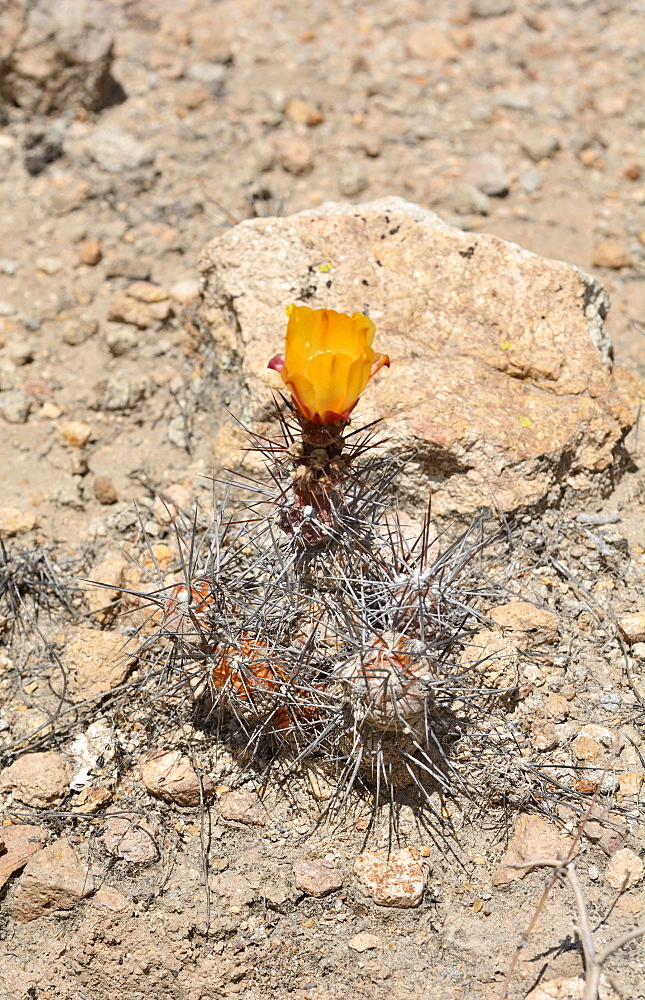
pixel 97 662
pixel 243 807
pixel 587 749
pixel 130 838
pixel 544 735
pixel 104 490
pixel 17 844
pixel 90 252
pixel 317 878
pixel 56 55
pixel 54 879
pixel 393 878
pixel 37 779
pixel 171 776
pixel 533 838
pixel 501 383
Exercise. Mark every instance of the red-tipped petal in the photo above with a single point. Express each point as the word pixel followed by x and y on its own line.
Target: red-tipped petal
pixel 276 363
pixel 380 361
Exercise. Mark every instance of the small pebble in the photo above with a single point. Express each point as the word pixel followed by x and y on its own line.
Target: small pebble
pixel 487 172
pixel 104 490
pixel 611 254
pixel 90 252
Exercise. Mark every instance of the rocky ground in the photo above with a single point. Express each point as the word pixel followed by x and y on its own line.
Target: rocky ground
pixel 129 138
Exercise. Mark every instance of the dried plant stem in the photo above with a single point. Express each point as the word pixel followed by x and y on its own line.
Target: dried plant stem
pixel 594 960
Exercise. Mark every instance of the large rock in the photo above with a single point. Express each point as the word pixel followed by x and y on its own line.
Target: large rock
pixel 501 388
pixel 54 879
pixel 37 779
pixel 55 55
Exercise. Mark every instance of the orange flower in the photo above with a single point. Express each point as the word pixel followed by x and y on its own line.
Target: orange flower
pixel 328 361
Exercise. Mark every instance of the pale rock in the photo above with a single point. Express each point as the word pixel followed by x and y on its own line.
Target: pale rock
pixel 172 500
pixel 632 627
pixel 117 151
pixel 15 406
pixel 120 338
pixel 394 878
pixel 295 154
pixel 630 783
pixel 487 172
pixel 531 181
pixel 146 291
pixel 607 830
pixel 77 330
pixel 97 662
pixel 185 291
pixel 14 521
pixel 37 779
pixel 125 309
pixel 501 385
pixel 114 572
pixel 130 838
pixel 630 903
pixel 533 838
pixel 123 393
pixel 466 199
pixel 611 254
pixel 491 8
pixel 170 776
pixel 495 657
pixel 317 878
pixel 539 145
pixel 587 749
pixel 352 180
pixel 625 869
pixel 539 625
pixel 17 844
pixel 92 798
pixel 89 752
pixel 430 44
pixel 363 942
pixel 564 988
pixel 73 433
pixel 242 806
pixel 110 899
pixel 53 879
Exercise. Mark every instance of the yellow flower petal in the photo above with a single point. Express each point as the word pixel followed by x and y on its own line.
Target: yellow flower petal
pixel 328 361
